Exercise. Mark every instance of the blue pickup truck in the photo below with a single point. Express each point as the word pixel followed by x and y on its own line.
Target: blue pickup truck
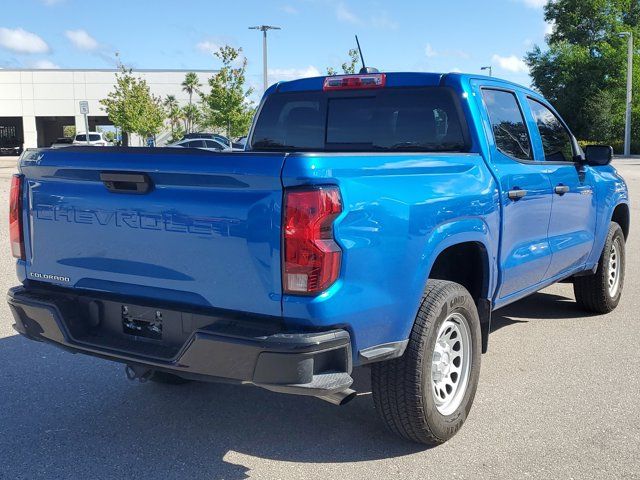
pixel 374 219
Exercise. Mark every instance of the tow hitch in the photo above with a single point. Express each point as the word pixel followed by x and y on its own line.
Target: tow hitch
pixel 135 372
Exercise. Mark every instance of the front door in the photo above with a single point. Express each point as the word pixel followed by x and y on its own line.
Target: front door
pixel 573 211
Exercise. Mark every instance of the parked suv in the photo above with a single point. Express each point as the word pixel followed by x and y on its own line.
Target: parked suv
pixel 96 139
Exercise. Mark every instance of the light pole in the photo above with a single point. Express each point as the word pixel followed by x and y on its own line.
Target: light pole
pixel 490 68
pixel 264 29
pixel 627 121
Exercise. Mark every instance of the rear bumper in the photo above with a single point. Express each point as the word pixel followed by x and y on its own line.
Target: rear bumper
pixel 303 363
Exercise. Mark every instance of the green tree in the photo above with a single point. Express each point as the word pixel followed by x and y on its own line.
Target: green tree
pixel 191 85
pixel 583 70
pixel 227 106
pixel 174 113
pixel 132 107
pixel 348 67
pixel 191 115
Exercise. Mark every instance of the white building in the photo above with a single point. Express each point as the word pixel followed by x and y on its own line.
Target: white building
pixel 35 105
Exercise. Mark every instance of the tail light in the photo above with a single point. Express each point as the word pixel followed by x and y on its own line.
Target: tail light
pixel 15 217
pixel 354 82
pixel 311 258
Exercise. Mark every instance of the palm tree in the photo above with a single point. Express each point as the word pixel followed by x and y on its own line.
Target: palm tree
pixel 191 115
pixel 191 84
pixel 173 111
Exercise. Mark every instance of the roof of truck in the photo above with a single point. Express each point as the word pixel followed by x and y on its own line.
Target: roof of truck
pixel 395 79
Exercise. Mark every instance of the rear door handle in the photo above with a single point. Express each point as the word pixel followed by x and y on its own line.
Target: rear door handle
pixel 517 193
pixel 561 189
pixel 126 182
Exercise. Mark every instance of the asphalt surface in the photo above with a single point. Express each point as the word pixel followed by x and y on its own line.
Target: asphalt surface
pixel 558 398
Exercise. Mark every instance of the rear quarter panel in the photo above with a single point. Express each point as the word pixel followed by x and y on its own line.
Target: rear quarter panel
pixel 399 212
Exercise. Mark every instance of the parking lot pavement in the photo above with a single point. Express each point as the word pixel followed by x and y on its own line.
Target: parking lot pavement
pixel 558 398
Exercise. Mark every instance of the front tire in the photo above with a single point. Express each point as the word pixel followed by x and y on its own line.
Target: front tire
pixel 601 292
pixel 425 395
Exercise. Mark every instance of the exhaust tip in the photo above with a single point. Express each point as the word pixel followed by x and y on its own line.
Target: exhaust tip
pixel 339 398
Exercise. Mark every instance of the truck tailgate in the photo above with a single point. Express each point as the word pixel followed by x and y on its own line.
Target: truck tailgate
pixel 206 233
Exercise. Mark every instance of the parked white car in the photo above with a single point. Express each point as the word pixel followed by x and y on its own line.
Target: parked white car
pixel 96 139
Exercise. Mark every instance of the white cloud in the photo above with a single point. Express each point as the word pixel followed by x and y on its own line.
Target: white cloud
pixel 280 74
pixel 345 15
pixel 81 39
pixel 208 46
pixel 383 21
pixel 378 19
pixel 44 64
pixel 20 41
pixel 431 52
pixel 289 9
pixel 511 63
pixel 534 3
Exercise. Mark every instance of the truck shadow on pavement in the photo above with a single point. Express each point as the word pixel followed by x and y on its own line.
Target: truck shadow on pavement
pixel 72 416
pixel 539 306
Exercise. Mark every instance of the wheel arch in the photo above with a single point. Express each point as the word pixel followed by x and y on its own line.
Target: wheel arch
pixel 621 216
pixel 465 253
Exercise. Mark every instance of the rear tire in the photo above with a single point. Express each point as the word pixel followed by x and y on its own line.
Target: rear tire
pixel 601 292
pixel 167 378
pixel 425 395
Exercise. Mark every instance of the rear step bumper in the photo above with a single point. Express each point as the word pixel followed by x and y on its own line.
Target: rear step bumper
pixel 303 363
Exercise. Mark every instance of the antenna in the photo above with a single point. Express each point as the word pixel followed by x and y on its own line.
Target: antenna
pixel 364 68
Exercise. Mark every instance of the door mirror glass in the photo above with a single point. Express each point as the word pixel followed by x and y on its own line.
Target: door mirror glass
pixel 598 154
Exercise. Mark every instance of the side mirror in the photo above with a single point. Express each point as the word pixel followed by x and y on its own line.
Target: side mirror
pixel 598 154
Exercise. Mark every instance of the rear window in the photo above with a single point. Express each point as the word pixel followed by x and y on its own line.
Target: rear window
pixel 393 119
pixel 83 138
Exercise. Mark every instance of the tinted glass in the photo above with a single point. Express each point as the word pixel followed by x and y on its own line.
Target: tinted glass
pixel 556 140
pixel 195 144
pixel 507 122
pixel 400 119
pixel 212 144
pixel 93 137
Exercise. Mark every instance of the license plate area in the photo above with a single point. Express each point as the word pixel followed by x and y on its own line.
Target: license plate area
pixel 142 322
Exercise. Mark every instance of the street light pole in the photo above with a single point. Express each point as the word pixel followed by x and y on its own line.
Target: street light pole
pixel 264 29
pixel 627 122
pixel 490 68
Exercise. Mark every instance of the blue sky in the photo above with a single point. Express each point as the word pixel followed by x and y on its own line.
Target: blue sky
pixel 414 35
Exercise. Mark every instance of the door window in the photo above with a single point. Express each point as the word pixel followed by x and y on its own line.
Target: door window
pixel 556 140
pixel 507 122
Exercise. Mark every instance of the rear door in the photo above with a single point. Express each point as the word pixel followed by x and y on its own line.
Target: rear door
pixel 525 193
pixel 207 231
pixel 573 213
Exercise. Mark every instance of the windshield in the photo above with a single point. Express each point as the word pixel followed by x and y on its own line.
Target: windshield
pixel 93 137
pixel 393 119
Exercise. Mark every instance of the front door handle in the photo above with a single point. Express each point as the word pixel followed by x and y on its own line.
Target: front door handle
pixel 561 189
pixel 516 193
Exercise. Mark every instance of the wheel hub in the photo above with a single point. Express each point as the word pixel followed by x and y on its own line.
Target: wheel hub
pixel 613 270
pixel 451 363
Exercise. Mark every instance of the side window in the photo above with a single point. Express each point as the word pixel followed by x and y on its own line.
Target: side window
pixel 195 144
pixel 212 144
pixel 507 122
pixel 556 140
